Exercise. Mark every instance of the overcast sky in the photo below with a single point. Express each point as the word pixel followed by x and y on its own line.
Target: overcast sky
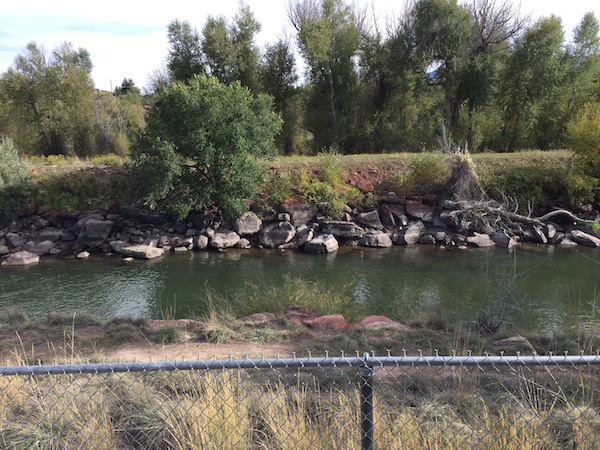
pixel 128 39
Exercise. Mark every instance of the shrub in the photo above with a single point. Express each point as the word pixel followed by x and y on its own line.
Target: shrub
pixel 210 158
pixel 584 138
pixel 14 179
pixel 427 172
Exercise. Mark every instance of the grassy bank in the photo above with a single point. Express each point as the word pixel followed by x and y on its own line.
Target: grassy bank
pixel 536 177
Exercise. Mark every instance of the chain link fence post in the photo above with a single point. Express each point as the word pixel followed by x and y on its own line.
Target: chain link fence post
pixel 366 404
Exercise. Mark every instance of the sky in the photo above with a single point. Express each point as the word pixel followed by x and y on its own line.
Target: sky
pixel 129 39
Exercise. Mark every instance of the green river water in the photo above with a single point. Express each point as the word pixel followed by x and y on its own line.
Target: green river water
pixel 555 288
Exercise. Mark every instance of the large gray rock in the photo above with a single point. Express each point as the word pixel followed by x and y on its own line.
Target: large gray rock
pixel 94 233
pixel 585 239
pixel 200 242
pixel 480 240
pixel 13 240
pixel 118 245
pixel 419 211
pixel 249 223
pixel 449 217
pixel 410 234
pixel 42 248
pixel 50 234
pixel 22 258
pixel 142 251
pixel 341 229
pixel 324 243
pixel 534 233
pixel 4 250
pixel 370 219
pixel 224 239
pixel 301 213
pixel 276 234
pixel 303 234
pixel 375 239
pixel 80 225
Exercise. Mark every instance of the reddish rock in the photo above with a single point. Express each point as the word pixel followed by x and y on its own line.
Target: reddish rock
pixel 350 327
pixel 377 322
pixel 297 314
pixel 418 210
pixel 258 319
pixel 330 322
pixel 32 208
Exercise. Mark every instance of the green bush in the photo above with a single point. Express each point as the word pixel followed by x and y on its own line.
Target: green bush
pixel 15 180
pixel 201 146
pixel 584 138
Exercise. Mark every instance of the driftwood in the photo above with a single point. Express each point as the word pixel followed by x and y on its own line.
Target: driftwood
pixel 487 214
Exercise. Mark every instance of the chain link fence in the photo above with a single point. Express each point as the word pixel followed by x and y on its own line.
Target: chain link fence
pixel 342 402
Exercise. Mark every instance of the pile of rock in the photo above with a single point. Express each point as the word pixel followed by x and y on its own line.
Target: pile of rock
pixel 139 233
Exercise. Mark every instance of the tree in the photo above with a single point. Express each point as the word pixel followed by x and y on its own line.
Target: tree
pixel 49 101
pixel 328 39
pixel 229 50
pixel 279 78
pixel 185 53
pixel 202 143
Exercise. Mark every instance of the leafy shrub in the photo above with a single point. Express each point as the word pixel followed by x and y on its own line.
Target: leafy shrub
pixel 107 160
pixel 277 190
pixel 211 157
pixel 14 179
pixel 584 138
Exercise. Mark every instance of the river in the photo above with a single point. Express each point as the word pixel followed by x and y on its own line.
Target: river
pixel 546 288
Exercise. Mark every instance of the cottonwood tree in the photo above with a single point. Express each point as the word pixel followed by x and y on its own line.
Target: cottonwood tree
pixel 211 157
pixel 48 101
pixel 184 59
pixel 328 39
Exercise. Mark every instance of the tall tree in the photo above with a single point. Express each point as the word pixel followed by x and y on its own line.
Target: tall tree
pixel 229 49
pixel 50 101
pixel 184 59
pixel 328 39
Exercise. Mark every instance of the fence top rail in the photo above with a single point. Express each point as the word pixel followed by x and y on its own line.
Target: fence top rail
pixel 367 360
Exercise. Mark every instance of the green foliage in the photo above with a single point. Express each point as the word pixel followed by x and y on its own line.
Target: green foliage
pixel 427 172
pixel 13 170
pixel 277 190
pixel 15 180
pixel 211 157
pixel 185 53
pixel 584 138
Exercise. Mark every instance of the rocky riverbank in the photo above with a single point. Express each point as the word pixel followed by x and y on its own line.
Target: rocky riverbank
pixel 139 233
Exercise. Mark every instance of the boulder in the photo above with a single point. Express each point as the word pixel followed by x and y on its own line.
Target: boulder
pixel 276 234
pixel 200 242
pixel 502 239
pixel 419 211
pixel 323 243
pixel 50 234
pixel 535 234
pixel 249 223
pixel 449 217
pixel 83 255
pixel 13 240
pixel 79 226
pixel 4 250
pixel 243 243
pixel 117 245
pixel 42 248
pixel 302 236
pixel 224 239
pixel 301 213
pixel 480 240
pixel 370 219
pixel 22 258
pixel 585 239
pixel 142 251
pixel 327 322
pixel 377 322
pixel 297 314
pixel 94 233
pixel 341 229
pixel 410 234
pixel 258 319
pixel 374 238
pixel 398 212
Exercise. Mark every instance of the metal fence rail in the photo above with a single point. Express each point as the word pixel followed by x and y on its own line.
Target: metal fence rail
pixel 342 402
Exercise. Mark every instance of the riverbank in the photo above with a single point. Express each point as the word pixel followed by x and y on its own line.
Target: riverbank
pixel 80 336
